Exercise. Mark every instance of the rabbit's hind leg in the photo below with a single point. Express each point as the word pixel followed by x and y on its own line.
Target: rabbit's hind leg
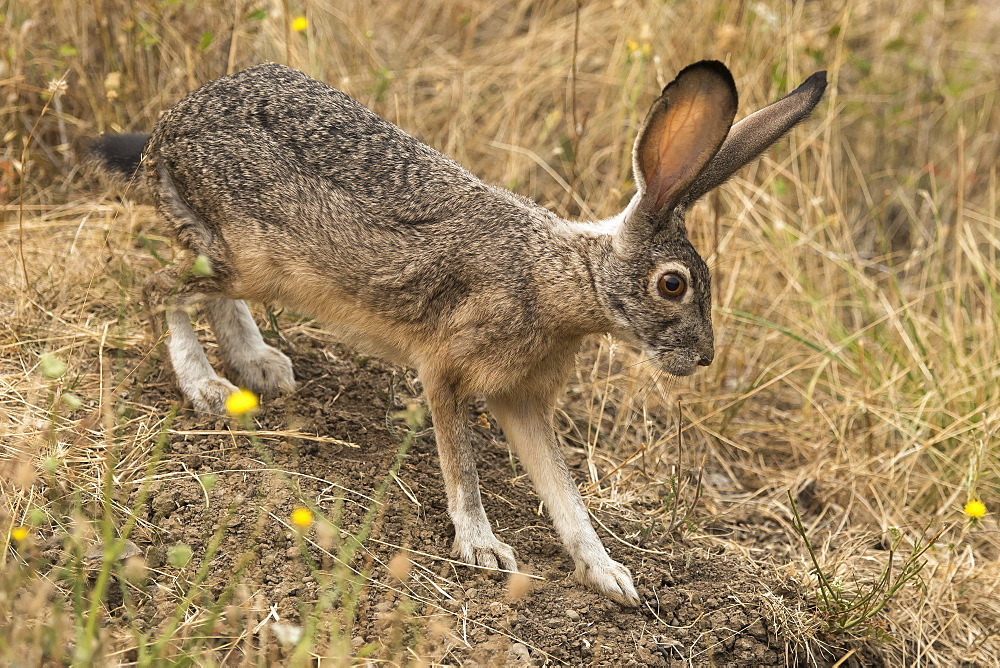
pixel 169 296
pixel 195 376
pixel 250 362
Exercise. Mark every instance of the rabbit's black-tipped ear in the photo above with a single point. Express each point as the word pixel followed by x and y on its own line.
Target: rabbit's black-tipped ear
pixel 757 132
pixel 683 130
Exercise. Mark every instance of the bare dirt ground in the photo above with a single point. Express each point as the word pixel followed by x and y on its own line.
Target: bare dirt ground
pixel 702 604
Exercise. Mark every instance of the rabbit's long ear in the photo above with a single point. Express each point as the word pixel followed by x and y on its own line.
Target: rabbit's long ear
pixel 683 130
pixel 757 132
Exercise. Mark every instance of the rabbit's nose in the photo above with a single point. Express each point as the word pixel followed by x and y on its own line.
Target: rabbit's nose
pixel 705 357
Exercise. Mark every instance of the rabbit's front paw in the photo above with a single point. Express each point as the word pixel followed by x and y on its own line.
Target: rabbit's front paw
pixel 264 370
pixel 209 394
pixel 487 552
pixel 610 578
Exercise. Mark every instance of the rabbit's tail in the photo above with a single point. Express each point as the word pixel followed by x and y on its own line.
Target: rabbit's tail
pixel 114 160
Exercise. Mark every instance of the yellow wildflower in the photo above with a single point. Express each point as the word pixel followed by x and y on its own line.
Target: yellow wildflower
pixel 19 533
pixel 302 517
pixel 637 50
pixel 975 509
pixel 300 24
pixel 241 402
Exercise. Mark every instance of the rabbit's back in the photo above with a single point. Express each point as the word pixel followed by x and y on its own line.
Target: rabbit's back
pixel 247 141
pixel 294 182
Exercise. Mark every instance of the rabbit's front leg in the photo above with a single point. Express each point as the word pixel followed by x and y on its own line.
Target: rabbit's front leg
pixel 527 423
pixel 474 539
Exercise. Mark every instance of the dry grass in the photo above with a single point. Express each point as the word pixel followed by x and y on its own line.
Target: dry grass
pixel 856 265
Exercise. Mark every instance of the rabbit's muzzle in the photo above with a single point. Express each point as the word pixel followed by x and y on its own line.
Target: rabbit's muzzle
pixel 682 364
pixel 684 359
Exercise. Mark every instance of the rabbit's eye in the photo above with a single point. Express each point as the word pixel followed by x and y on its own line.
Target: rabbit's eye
pixel 672 285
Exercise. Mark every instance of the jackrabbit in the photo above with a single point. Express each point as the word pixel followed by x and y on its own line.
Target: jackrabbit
pixel 299 195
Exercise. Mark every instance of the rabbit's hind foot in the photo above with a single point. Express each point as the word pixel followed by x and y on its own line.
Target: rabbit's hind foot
pixel 209 395
pixel 249 361
pixel 267 371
